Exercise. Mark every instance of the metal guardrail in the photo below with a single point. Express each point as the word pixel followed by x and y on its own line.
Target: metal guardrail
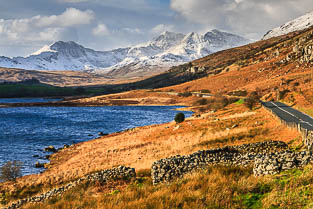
pixel 305 128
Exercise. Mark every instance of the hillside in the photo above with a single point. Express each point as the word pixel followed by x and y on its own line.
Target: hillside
pixel 61 78
pixel 270 66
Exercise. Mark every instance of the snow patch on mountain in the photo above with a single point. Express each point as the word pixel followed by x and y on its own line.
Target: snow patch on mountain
pixel 45 48
pixel 300 23
pixel 166 50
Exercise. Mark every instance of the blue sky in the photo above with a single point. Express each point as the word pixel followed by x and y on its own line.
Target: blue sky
pixel 27 25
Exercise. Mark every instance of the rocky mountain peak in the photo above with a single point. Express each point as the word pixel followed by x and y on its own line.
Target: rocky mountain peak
pixel 69 49
pixel 219 38
pixel 192 38
pixel 167 39
pixel 63 46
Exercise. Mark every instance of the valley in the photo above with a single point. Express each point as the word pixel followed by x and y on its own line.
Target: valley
pixel 233 152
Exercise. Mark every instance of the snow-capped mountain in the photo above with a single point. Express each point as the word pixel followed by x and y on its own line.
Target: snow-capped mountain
pixel 166 50
pixel 66 56
pixel 300 23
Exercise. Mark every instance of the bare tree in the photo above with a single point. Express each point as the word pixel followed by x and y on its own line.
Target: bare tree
pixel 252 99
pixel 11 170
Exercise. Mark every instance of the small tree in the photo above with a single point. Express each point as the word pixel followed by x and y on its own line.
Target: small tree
pixel 11 170
pixel 252 100
pixel 180 117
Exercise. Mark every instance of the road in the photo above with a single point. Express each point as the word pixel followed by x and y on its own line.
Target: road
pixel 290 114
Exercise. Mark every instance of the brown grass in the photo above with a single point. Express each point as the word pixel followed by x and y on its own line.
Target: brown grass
pixel 198 190
pixel 215 187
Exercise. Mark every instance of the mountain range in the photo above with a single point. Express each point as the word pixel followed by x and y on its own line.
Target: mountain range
pixel 166 50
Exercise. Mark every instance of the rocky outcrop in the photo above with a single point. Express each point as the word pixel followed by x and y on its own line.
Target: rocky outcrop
pixel 307 54
pixel 166 170
pixel 196 69
pixel 50 149
pixel 120 172
pixel 302 50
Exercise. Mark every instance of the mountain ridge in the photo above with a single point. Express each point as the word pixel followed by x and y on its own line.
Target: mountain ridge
pixel 300 23
pixel 166 50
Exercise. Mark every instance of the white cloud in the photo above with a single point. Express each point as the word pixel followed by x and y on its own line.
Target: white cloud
pixel 38 29
pixel 70 17
pixel 241 16
pixel 158 29
pixel 101 30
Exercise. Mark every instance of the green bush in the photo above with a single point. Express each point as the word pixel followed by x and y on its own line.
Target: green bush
pixel 180 117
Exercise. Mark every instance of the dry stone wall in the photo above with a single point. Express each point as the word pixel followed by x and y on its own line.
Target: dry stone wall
pixel 120 172
pixel 166 170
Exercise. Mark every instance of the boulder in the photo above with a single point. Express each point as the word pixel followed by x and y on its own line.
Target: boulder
pixel 50 149
pixel 39 165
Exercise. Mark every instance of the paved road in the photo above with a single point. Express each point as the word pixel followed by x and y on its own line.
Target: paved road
pixel 289 114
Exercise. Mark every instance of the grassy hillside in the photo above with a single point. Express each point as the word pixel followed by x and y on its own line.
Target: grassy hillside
pixel 214 187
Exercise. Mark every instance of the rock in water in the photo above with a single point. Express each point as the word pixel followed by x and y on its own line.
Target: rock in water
pixel 50 149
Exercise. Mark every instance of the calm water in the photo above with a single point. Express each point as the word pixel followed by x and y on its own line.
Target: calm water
pixel 25 131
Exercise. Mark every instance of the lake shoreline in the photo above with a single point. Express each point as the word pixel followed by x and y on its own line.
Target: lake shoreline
pixel 76 136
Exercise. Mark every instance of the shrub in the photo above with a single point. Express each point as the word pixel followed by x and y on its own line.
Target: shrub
pixel 185 94
pixel 282 94
pixel 205 91
pixel 11 170
pixel 180 117
pixel 218 102
pixel 232 100
pixel 252 100
pixel 241 93
pixel 201 102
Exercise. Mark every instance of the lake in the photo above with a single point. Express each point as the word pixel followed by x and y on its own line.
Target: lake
pixel 26 131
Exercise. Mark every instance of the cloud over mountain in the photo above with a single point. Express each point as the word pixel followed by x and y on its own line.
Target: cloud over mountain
pixel 39 29
pixel 250 17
